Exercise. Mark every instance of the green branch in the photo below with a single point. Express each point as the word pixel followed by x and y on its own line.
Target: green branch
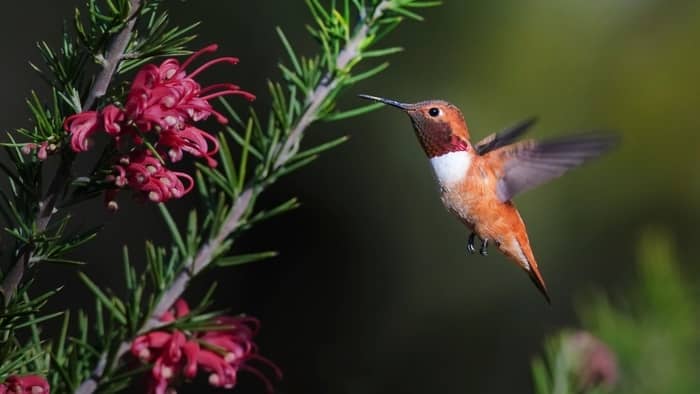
pixel 351 52
pixel 58 185
pixel 114 55
pixel 229 192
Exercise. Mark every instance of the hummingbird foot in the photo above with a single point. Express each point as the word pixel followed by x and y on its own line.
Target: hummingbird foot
pixel 470 244
pixel 484 251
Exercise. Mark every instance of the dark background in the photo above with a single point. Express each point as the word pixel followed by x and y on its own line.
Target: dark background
pixel 373 291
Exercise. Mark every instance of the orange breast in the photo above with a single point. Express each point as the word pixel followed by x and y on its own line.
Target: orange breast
pixel 474 202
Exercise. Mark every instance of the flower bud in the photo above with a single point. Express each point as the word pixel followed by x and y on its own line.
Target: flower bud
pixel 592 362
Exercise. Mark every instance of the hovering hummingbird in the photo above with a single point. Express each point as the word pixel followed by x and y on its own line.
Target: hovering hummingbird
pixel 478 182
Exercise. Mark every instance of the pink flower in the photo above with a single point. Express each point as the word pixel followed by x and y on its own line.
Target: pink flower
pixel 111 118
pixel 162 106
pixel 141 347
pixel 221 352
pixel 28 148
pixel 191 140
pixel 81 127
pixel 191 350
pixel 33 384
pixel 167 97
pixel 144 173
pixel 42 153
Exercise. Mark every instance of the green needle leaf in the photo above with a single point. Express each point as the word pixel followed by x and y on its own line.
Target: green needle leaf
pixel 353 112
pixel 244 258
pixel 174 231
pixel 102 297
pixel 244 155
pixel 321 148
pixel 289 49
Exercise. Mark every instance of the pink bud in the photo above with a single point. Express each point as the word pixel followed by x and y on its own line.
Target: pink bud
pixel 595 365
pixel 28 148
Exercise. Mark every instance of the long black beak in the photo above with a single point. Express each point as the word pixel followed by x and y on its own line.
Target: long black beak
pixel 393 103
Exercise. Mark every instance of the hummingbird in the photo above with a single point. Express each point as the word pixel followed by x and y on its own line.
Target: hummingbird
pixel 478 181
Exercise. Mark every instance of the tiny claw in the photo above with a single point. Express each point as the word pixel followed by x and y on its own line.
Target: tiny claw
pixel 470 244
pixel 484 251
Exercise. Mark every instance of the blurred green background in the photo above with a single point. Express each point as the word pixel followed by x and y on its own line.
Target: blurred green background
pixel 373 291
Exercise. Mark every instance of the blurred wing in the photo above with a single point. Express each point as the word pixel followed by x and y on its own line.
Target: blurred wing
pixel 531 163
pixel 505 137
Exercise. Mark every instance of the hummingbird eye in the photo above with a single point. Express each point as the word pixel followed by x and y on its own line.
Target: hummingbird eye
pixel 434 112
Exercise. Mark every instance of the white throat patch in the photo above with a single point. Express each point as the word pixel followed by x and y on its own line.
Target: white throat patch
pixel 452 167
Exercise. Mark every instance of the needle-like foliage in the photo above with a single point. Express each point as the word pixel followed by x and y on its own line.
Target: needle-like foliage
pixel 256 149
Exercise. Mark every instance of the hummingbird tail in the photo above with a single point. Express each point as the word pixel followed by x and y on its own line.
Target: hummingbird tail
pixel 536 278
pixel 530 266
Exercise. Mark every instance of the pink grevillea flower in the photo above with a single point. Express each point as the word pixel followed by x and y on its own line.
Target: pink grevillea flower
pixel 161 98
pixel 221 352
pixel 143 172
pixel 81 127
pixel 162 106
pixel 192 140
pixel 166 97
pixel 27 384
pixel 112 117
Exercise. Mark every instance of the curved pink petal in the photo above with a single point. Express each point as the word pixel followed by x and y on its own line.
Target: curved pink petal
pixel 34 384
pixel 81 127
pixel 112 116
pixel 181 308
pixel 175 347
pixel 190 349
pixel 158 339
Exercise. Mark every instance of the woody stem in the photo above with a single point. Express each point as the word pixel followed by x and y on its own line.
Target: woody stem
pixel 47 204
pixel 328 83
pixel 243 204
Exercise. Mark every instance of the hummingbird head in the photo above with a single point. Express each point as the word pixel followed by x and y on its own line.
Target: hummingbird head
pixel 439 125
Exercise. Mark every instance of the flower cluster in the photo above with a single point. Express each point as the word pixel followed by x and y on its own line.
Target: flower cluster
pixel 145 173
pixel 220 351
pixel 27 384
pixel 162 106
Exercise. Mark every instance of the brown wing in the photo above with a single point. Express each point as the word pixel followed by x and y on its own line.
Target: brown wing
pixel 530 163
pixel 505 137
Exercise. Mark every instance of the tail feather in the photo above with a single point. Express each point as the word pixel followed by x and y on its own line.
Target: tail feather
pixel 530 266
pixel 537 279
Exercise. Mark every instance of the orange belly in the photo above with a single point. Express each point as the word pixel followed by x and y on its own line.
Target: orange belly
pixel 475 203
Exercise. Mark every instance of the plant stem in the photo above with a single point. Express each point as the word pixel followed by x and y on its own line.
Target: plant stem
pixel 58 185
pixel 113 55
pixel 318 96
pixel 243 203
